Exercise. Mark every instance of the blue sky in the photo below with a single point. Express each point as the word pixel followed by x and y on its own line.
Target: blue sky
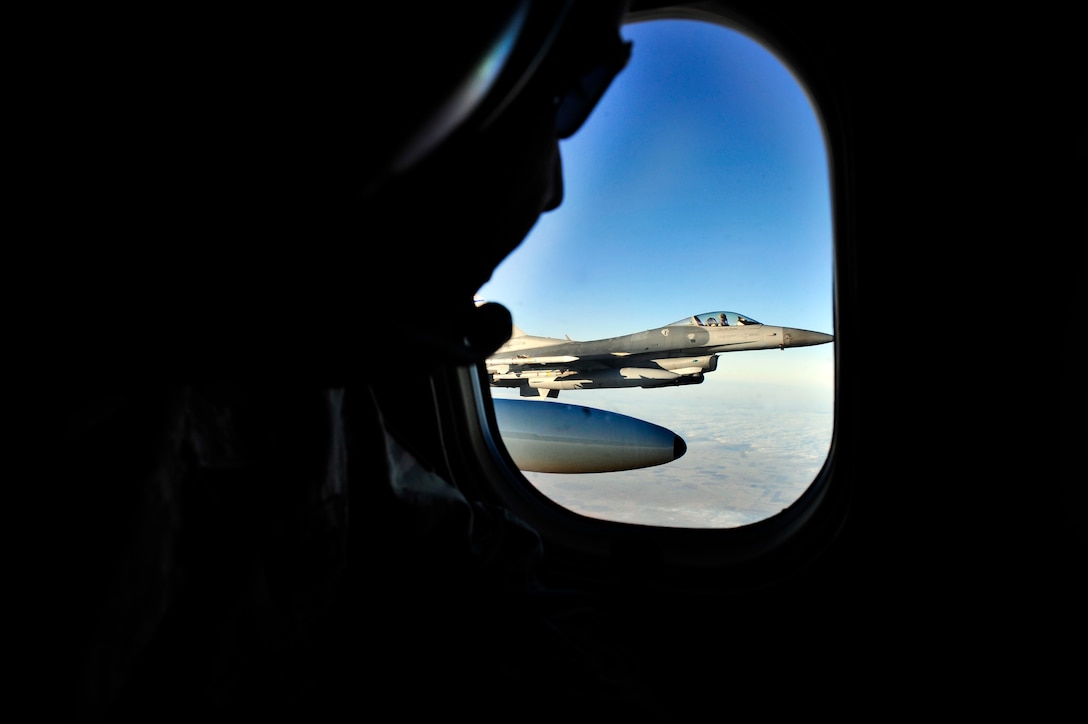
pixel 699 183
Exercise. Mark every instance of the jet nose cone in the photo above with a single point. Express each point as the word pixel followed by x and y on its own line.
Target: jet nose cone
pixel 803 337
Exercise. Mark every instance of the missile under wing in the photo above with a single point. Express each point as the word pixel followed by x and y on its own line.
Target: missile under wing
pixel 679 353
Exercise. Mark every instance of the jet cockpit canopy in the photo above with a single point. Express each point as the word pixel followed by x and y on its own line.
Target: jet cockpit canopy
pixel 716 319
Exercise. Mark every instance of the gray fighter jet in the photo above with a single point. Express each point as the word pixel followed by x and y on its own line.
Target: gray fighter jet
pixel 675 354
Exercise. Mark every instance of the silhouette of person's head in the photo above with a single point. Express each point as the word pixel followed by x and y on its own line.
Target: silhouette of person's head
pixel 289 178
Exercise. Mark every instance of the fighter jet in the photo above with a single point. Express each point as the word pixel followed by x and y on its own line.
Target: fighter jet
pixel 679 353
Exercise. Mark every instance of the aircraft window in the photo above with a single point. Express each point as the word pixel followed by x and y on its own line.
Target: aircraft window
pixel 706 142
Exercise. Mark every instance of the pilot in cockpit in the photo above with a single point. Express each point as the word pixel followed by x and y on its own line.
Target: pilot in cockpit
pixel 724 321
